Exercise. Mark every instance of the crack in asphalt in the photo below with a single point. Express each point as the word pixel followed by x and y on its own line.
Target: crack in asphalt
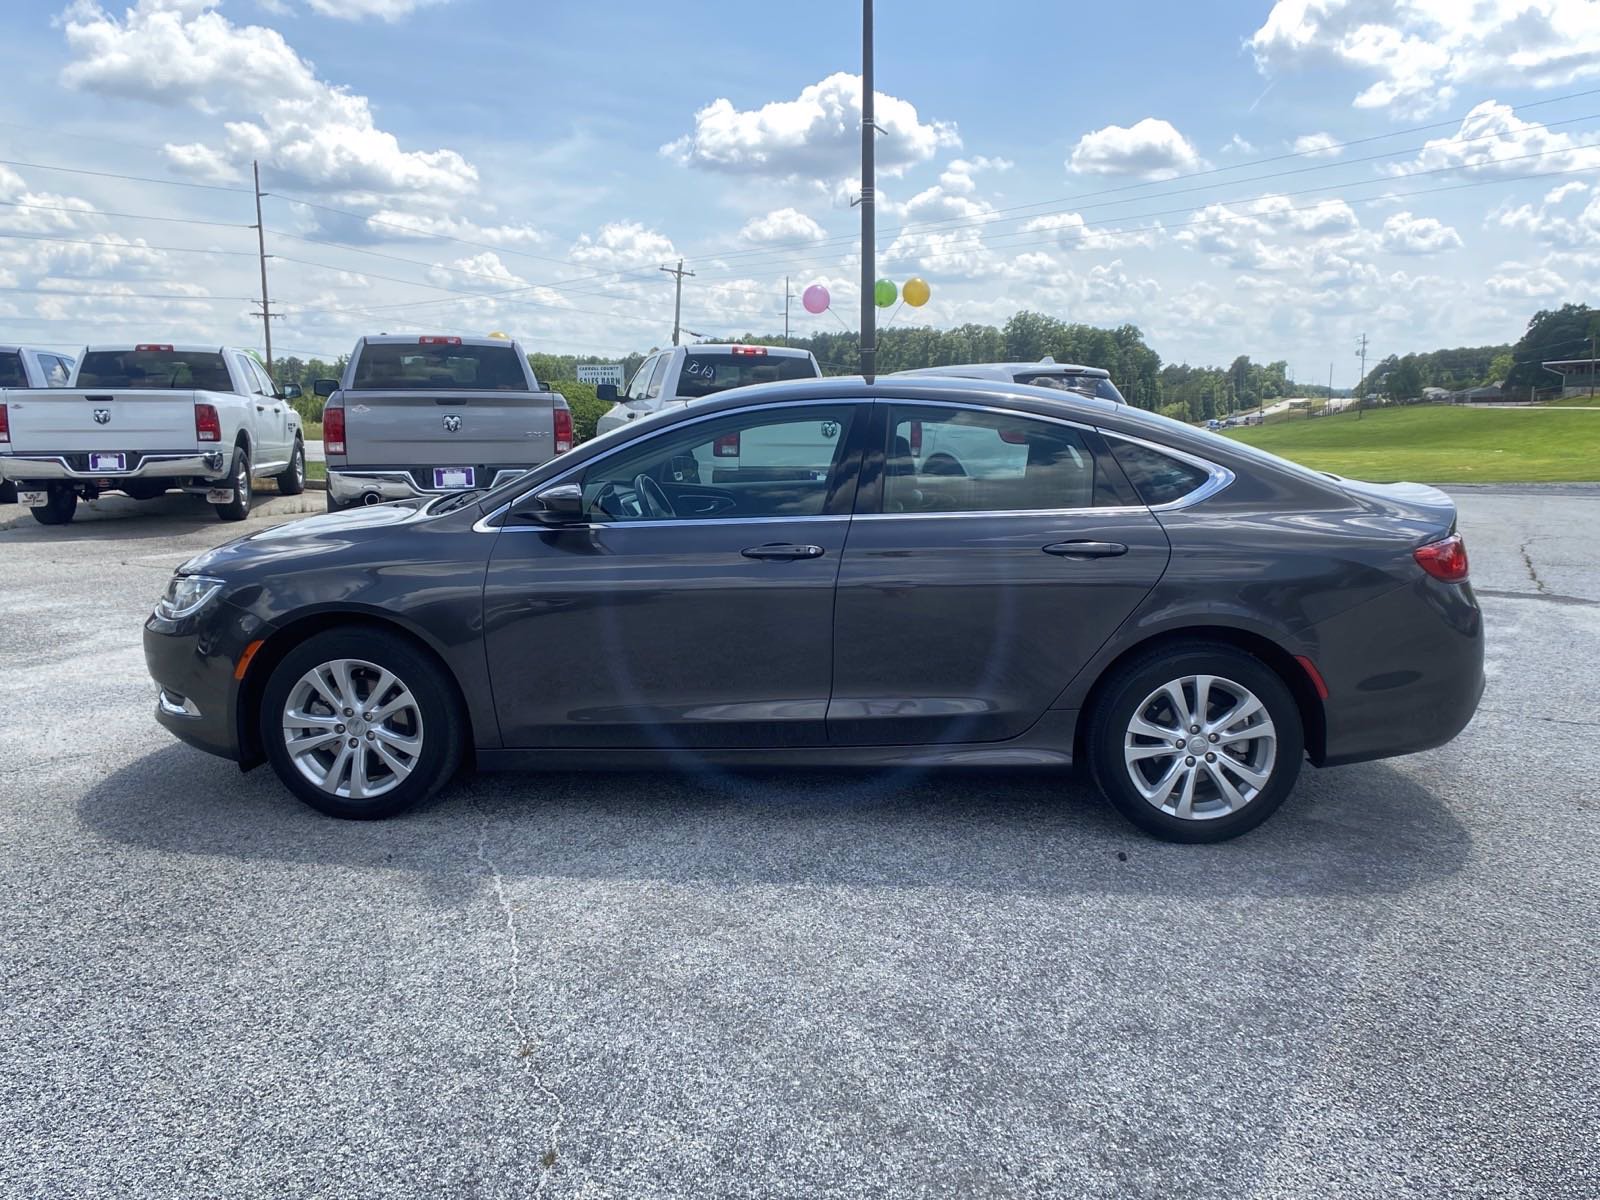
pixel 528 1045
pixel 1546 597
pixel 1515 716
pixel 1527 561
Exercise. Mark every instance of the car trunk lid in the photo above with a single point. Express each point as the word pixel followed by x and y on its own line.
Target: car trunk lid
pixel 1417 503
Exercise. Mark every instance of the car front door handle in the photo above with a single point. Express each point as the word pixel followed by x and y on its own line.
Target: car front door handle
pixel 1086 549
pixel 782 550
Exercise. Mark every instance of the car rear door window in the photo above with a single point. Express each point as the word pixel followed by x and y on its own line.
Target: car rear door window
pixel 767 463
pixel 942 460
pixel 1158 478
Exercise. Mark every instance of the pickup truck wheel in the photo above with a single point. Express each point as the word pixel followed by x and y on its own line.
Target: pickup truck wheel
pixel 293 480
pixel 58 509
pixel 8 492
pixel 361 724
pixel 238 508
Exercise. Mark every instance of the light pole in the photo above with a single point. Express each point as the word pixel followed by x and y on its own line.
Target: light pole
pixel 869 332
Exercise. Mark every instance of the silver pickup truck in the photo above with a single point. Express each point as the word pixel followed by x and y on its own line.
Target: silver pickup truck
pixel 418 416
pixel 26 367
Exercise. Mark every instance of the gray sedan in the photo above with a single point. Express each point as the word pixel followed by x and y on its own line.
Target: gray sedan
pixel 1071 581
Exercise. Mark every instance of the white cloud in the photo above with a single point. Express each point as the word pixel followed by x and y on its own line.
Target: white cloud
pixel 1151 149
pixel 1238 145
pixel 1518 281
pixel 312 132
pixel 816 136
pixel 1493 140
pixel 1556 220
pixel 479 272
pixel 781 225
pixel 355 10
pixel 201 162
pixel 1318 145
pixel 622 246
pixel 1420 51
pixel 1407 234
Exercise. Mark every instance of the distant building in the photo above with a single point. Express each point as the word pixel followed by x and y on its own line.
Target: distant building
pixel 1578 375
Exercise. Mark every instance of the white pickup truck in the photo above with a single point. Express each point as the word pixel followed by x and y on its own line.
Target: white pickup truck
pixel 679 374
pixel 28 367
pixel 149 418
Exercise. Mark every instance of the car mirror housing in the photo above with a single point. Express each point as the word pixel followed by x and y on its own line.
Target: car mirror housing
pixel 325 387
pixel 559 505
pixel 606 392
pixel 291 391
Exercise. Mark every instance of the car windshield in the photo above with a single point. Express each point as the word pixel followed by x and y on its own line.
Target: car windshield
pixel 127 369
pixel 704 374
pixel 1086 385
pixel 398 366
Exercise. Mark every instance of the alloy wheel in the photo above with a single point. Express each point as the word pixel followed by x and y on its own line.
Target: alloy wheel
pixel 1200 747
pixel 353 728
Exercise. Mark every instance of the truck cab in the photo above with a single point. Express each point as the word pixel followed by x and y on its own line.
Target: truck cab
pixel 681 374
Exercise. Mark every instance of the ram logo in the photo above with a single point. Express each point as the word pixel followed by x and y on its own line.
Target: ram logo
pixel 451 424
pixel 102 416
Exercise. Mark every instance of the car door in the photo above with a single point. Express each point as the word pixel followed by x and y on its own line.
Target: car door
pixel 266 425
pixel 681 613
pixel 991 555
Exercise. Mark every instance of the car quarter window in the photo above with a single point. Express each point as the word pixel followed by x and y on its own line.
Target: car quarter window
pixel 951 460
pixel 1158 478
pixel 766 463
pixel 57 370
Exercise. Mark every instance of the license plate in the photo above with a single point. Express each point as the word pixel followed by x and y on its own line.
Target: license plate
pixel 108 462
pixel 33 499
pixel 455 477
pixel 219 495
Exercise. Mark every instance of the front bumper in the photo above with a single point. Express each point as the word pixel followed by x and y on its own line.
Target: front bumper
pixel 193 663
pixel 74 467
pixel 347 486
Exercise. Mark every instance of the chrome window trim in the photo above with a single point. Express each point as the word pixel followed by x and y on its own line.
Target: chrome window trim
pixel 1218 477
pixel 482 524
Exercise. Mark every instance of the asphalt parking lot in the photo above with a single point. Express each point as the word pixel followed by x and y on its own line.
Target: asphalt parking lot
pixel 791 985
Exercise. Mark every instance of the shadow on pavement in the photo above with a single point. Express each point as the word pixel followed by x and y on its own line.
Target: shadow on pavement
pixel 1361 830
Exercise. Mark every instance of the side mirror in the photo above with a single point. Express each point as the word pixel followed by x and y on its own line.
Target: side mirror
pixel 606 392
pixel 325 387
pixel 560 505
pixel 291 391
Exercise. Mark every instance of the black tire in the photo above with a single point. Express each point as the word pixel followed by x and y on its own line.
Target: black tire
pixel 238 508
pixel 58 508
pixel 1124 694
pixel 8 492
pixel 292 481
pixel 443 728
pixel 144 489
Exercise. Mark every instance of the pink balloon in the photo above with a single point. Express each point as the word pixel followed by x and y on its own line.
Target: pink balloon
pixel 816 299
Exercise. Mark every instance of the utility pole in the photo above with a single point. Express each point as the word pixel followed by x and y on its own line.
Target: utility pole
pixel 1361 387
pixel 1591 366
pixel 1329 405
pixel 787 296
pixel 677 302
pixel 869 267
pixel 261 245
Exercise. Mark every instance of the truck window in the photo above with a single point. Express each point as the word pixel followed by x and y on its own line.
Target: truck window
pixel 1084 385
pixel 402 366
pixel 641 378
pixel 11 372
pixel 57 370
pixel 131 369
pixel 704 374
pixel 657 376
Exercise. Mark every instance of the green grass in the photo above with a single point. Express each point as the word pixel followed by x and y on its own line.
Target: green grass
pixel 1573 402
pixel 1441 445
pixel 311 430
pixel 316 470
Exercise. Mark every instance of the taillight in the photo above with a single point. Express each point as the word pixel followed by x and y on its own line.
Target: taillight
pixel 563 416
pixel 915 438
pixel 1446 560
pixel 726 446
pixel 333 429
pixel 207 426
pixel 5 425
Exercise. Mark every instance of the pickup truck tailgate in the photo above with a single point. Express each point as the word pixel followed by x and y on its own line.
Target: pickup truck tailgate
pixel 447 428
pixel 46 420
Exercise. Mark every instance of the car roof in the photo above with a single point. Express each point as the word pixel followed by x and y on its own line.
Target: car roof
pixel 415 339
pixel 177 348
pixel 18 347
pixel 728 347
pixel 1008 370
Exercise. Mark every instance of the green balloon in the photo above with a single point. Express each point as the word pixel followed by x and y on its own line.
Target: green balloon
pixel 884 292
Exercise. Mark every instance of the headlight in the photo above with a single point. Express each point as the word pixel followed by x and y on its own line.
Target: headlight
pixel 186 595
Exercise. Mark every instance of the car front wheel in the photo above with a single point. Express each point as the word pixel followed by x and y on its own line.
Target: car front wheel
pixel 1196 742
pixel 361 724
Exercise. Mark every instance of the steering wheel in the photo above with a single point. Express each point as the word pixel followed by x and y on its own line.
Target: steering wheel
pixel 652 498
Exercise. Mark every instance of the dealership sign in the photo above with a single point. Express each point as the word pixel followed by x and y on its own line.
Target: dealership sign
pixel 601 373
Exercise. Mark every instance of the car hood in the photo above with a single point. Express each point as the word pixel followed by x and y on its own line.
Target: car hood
pixel 324 533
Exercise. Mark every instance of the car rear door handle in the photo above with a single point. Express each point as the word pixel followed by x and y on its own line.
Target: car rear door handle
pixel 1086 549
pixel 782 550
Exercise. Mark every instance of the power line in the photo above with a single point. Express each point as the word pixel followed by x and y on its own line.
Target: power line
pixel 44 291
pixel 39 237
pixel 97 212
pixel 210 187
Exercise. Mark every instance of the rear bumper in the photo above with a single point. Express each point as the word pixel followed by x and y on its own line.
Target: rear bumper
pixel 74 466
pixel 350 484
pixel 1404 672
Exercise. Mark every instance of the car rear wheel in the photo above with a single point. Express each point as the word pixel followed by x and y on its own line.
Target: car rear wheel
pixel 238 508
pixel 361 724
pixel 1197 742
pixel 58 507
pixel 293 479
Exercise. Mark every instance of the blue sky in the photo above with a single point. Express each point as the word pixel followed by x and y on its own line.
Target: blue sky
pixel 466 165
